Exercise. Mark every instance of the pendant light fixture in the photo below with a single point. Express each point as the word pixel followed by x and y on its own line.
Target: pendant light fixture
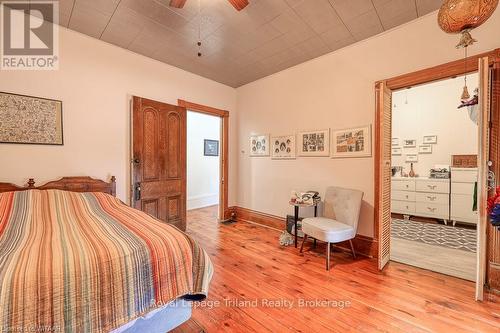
pixel 461 16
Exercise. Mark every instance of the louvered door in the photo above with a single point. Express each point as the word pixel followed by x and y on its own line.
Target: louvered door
pixel 383 171
pixel 159 160
pixel 483 158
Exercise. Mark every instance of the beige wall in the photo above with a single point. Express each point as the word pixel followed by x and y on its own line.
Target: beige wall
pixel 95 82
pixel 429 109
pixel 335 91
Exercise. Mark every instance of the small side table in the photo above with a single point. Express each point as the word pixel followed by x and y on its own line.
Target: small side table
pixel 296 207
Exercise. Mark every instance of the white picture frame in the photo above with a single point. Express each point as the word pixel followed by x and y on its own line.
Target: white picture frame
pixel 395 142
pixel 430 139
pixel 314 143
pixel 259 145
pixel 352 142
pixel 411 158
pixel 283 147
pixel 409 143
pixel 425 149
pixel 397 151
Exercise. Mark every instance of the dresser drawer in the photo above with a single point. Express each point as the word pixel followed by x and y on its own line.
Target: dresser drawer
pixel 436 198
pixel 464 176
pixel 403 185
pixel 462 188
pixel 433 210
pixel 403 195
pixel 402 207
pixel 433 186
pixel 461 208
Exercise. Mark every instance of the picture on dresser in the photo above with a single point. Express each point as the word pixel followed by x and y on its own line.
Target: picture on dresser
pixel 352 142
pixel 425 149
pixel 411 158
pixel 314 143
pixel 259 145
pixel 430 139
pixel 395 142
pixel 396 151
pixel 409 143
pixel 283 147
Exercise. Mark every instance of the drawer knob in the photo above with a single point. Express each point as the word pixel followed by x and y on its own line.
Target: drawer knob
pixel 431 198
pixel 431 186
pixel 431 209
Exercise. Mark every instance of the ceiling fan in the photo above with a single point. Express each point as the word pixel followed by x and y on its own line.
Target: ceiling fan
pixel 237 4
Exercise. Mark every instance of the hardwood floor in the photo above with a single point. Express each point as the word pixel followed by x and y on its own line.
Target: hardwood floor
pixel 439 259
pixel 251 268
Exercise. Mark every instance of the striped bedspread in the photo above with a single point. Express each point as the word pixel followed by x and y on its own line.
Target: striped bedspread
pixel 86 262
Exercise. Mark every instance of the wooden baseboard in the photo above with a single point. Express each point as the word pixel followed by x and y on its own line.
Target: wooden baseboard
pixel 363 245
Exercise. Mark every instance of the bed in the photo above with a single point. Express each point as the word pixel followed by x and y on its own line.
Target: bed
pixel 73 258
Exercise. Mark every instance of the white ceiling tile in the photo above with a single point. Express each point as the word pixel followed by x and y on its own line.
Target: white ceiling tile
pixel 318 14
pixel 426 6
pixel 151 38
pixel 395 12
pixel 287 21
pixel 157 12
pixel 349 9
pixel 336 35
pixel 365 25
pixel 86 19
pixel 314 47
pixel 124 27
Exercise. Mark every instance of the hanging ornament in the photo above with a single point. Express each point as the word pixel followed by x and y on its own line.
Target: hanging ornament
pixel 465 92
pixel 461 16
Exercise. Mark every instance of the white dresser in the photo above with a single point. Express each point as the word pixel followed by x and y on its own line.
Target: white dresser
pixel 427 197
pixel 462 195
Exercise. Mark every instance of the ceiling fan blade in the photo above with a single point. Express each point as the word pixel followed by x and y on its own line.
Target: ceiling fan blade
pixel 177 3
pixel 239 4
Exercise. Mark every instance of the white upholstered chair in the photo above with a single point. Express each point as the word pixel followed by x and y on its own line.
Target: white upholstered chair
pixel 340 219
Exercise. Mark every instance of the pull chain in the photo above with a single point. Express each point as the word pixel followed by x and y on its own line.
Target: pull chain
pixel 199 28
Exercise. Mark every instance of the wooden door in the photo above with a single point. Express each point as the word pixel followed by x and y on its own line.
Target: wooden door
pixel 383 171
pixel 159 160
pixel 483 158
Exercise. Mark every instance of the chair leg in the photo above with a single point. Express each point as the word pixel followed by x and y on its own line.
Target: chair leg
pixel 314 242
pixel 303 241
pixel 328 256
pixel 352 249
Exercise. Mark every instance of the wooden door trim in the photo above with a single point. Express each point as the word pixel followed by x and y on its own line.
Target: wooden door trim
pixel 224 157
pixel 436 73
pixel 440 72
pixel 203 108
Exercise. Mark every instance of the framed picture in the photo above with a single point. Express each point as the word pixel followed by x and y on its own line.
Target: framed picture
pixel 314 143
pixel 259 145
pixel 30 120
pixel 411 158
pixel 430 139
pixel 283 147
pixel 210 147
pixel 397 151
pixel 352 142
pixel 395 142
pixel 425 149
pixel 409 143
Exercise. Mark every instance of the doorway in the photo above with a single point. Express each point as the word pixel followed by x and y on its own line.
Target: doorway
pixel 434 173
pixel 203 160
pixel 222 118
pixel 484 64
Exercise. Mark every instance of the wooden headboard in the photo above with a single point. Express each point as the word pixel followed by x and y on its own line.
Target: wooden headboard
pixel 74 184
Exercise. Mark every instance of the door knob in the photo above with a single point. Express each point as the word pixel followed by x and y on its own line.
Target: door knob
pixel 136 161
pixel 137 191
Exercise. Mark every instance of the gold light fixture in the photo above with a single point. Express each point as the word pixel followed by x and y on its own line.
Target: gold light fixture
pixel 461 16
